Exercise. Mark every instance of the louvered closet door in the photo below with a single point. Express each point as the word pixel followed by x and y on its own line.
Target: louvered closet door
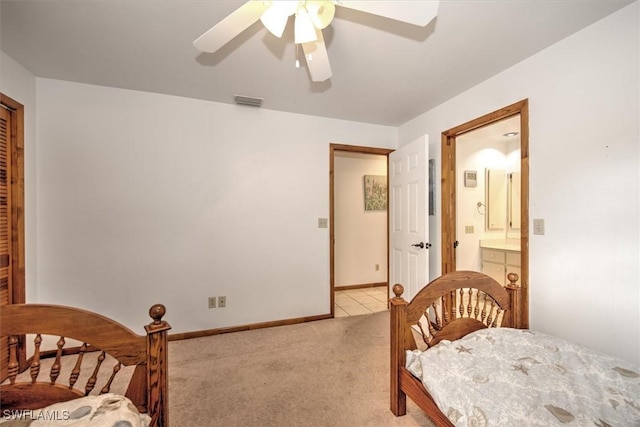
pixel 5 228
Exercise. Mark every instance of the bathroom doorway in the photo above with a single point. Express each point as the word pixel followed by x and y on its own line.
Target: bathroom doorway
pixel 495 230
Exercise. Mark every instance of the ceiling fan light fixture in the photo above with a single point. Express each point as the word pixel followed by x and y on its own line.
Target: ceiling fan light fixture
pixel 305 31
pixel 277 15
pixel 274 23
pixel 321 13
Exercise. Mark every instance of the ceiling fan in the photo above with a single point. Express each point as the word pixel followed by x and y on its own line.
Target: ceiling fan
pixel 310 17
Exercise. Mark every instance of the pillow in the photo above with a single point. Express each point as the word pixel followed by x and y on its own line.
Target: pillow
pixel 105 410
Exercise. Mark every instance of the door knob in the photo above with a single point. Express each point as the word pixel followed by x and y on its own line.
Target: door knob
pixel 422 245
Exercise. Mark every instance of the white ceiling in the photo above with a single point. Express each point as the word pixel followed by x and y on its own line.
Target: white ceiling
pixel 384 72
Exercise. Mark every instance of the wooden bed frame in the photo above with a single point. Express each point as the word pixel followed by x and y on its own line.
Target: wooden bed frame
pixel 444 309
pixel 147 388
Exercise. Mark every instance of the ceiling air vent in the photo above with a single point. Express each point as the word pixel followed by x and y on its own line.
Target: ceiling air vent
pixel 248 100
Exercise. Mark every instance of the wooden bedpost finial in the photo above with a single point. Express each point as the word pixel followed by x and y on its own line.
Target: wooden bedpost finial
pixel 156 312
pixel 514 317
pixel 398 289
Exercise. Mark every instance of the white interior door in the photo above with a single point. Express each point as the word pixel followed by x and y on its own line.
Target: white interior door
pixel 408 221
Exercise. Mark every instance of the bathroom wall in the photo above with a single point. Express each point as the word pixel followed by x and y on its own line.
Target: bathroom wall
pixel 478 154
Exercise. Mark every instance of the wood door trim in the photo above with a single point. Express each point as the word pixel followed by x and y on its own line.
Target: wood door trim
pixel 449 192
pixel 15 155
pixel 354 149
pixel 16 110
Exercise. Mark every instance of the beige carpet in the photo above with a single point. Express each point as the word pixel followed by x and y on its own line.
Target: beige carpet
pixel 332 373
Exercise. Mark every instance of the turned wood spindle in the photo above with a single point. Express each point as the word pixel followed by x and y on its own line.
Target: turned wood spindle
pixel 445 311
pixel 491 311
pixel 55 368
pixel 91 383
pixel 495 321
pixel 439 323
pixel 13 367
pixel 476 308
pixel 107 386
pixel 75 373
pixel 483 315
pixel 425 336
pixel 433 327
pixel 35 362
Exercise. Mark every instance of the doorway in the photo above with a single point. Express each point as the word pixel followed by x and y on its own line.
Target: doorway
pixel 453 174
pixel 358 228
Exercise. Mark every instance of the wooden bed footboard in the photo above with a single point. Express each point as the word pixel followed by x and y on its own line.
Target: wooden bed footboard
pixel 449 307
pixel 147 388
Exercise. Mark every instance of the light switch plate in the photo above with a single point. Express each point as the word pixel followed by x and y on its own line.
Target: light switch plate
pixel 538 226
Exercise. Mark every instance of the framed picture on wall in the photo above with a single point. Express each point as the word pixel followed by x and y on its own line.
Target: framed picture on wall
pixel 375 193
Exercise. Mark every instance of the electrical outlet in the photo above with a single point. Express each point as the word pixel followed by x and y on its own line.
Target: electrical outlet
pixel 323 222
pixel 212 302
pixel 222 302
pixel 377 267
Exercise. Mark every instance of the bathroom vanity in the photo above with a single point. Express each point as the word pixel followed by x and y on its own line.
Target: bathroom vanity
pixel 500 257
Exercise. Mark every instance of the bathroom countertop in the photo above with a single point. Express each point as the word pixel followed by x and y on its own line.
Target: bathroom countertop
pixel 501 244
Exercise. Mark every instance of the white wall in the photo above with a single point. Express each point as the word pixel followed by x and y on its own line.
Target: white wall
pixel 20 85
pixel 146 198
pixel 584 135
pixel 361 236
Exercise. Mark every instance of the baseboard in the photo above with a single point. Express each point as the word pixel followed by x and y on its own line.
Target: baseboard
pixel 218 331
pixel 361 286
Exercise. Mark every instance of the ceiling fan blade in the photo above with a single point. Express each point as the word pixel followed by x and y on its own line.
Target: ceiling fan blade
pixel 225 30
pixel 412 12
pixel 315 53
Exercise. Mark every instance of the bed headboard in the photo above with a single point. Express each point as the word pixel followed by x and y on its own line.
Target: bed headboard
pixel 147 388
pixel 452 306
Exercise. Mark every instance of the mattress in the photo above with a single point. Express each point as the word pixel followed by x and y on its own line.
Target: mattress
pixel 503 376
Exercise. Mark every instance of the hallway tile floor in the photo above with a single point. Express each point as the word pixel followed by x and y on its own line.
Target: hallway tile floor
pixel 354 302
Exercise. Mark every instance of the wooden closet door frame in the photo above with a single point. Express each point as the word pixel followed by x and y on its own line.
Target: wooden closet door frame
pixel 449 192
pixel 16 146
pixel 15 156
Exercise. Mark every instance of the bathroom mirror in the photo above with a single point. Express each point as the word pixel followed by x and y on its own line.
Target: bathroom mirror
pixel 502 200
pixel 496 199
pixel 514 200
